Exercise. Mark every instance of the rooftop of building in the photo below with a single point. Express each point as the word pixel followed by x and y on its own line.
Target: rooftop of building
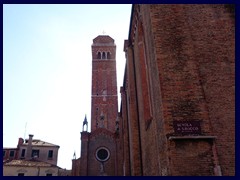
pixel 28 163
pixel 9 148
pixel 38 142
pixel 103 39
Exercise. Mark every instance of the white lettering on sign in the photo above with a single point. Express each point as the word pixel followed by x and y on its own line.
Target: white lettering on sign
pixel 187 127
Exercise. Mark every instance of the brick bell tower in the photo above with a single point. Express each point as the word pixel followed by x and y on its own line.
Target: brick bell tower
pixel 99 148
pixel 104 84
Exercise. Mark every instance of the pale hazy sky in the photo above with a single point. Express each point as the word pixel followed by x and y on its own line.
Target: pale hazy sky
pixel 47 69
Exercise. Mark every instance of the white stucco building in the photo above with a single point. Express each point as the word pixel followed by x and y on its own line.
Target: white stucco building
pixel 29 168
pixel 32 157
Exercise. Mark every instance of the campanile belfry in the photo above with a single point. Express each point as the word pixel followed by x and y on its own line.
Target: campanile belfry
pixel 99 148
pixel 104 84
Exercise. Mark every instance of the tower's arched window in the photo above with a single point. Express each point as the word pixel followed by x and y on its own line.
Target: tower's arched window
pixel 99 55
pixel 108 55
pixel 103 55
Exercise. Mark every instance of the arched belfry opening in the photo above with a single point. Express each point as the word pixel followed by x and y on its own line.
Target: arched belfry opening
pixel 103 55
pixel 99 55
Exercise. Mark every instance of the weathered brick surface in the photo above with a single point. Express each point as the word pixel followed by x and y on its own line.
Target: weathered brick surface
pixel 84 155
pixel 104 83
pixel 95 142
pixel 133 122
pixel 180 67
pixel 197 158
pixel 217 73
pixel 124 131
pixel 75 167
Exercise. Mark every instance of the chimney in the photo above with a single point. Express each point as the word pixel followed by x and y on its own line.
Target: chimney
pixel 20 142
pixel 29 147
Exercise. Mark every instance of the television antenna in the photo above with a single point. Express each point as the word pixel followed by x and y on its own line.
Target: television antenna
pixel 25 130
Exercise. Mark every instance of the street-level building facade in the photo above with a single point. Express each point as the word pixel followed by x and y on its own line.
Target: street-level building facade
pixel 31 167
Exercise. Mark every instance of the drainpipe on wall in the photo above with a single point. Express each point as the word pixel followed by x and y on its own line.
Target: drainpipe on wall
pixel 217 167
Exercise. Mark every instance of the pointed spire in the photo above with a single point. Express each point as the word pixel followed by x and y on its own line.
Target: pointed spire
pixel 74 155
pixel 85 119
pixel 85 122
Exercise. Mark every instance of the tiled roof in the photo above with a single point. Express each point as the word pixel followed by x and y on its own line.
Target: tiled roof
pixel 37 142
pixel 28 163
pixel 8 148
pixel 103 39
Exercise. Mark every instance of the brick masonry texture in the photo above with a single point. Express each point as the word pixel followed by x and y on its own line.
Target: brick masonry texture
pixel 177 114
pixel 180 68
pixel 104 113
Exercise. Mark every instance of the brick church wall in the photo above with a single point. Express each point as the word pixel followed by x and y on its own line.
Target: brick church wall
pixel 93 164
pixel 183 70
pixel 217 74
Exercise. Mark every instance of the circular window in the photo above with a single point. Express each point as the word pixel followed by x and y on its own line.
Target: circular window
pixel 102 154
